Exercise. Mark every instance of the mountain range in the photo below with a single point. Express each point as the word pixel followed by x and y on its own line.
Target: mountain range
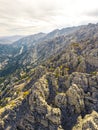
pixel 9 39
pixel 50 81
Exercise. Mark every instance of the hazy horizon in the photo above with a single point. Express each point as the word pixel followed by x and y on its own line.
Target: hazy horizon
pixel 3 36
pixel 26 17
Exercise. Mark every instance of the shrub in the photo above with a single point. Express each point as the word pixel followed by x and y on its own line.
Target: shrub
pixel 25 93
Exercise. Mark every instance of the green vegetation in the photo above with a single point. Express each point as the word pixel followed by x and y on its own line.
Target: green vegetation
pixel 25 93
pixel 94 72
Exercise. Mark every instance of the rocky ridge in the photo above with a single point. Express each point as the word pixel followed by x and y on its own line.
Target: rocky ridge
pixel 59 94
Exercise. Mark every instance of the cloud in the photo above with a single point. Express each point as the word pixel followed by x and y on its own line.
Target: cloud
pixel 32 16
pixel 93 13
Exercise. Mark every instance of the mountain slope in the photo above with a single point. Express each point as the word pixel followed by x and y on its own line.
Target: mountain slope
pixel 61 93
pixel 31 50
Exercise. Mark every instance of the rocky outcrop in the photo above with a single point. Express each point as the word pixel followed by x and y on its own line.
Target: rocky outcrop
pixel 89 122
pixel 60 93
pixel 75 98
pixel 46 115
pixel 66 107
pixel 55 102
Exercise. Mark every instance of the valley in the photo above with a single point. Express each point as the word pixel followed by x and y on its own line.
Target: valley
pixel 50 81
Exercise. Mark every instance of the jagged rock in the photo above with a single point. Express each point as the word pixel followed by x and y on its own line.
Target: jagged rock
pixel 82 66
pixel 75 98
pixel 54 115
pixel 56 93
pixel 80 79
pixel 61 99
pixel 89 122
pixel 38 104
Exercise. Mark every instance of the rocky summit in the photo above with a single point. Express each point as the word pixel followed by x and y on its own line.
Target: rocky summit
pixel 54 83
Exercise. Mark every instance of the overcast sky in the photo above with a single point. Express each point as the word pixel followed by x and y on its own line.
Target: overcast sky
pixel 22 17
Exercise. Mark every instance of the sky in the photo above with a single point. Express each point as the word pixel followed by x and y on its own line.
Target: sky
pixel 24 17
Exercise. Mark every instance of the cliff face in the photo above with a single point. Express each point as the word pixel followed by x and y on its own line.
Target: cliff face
pixel 59 94
pixel 89 121
pixel 54 108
